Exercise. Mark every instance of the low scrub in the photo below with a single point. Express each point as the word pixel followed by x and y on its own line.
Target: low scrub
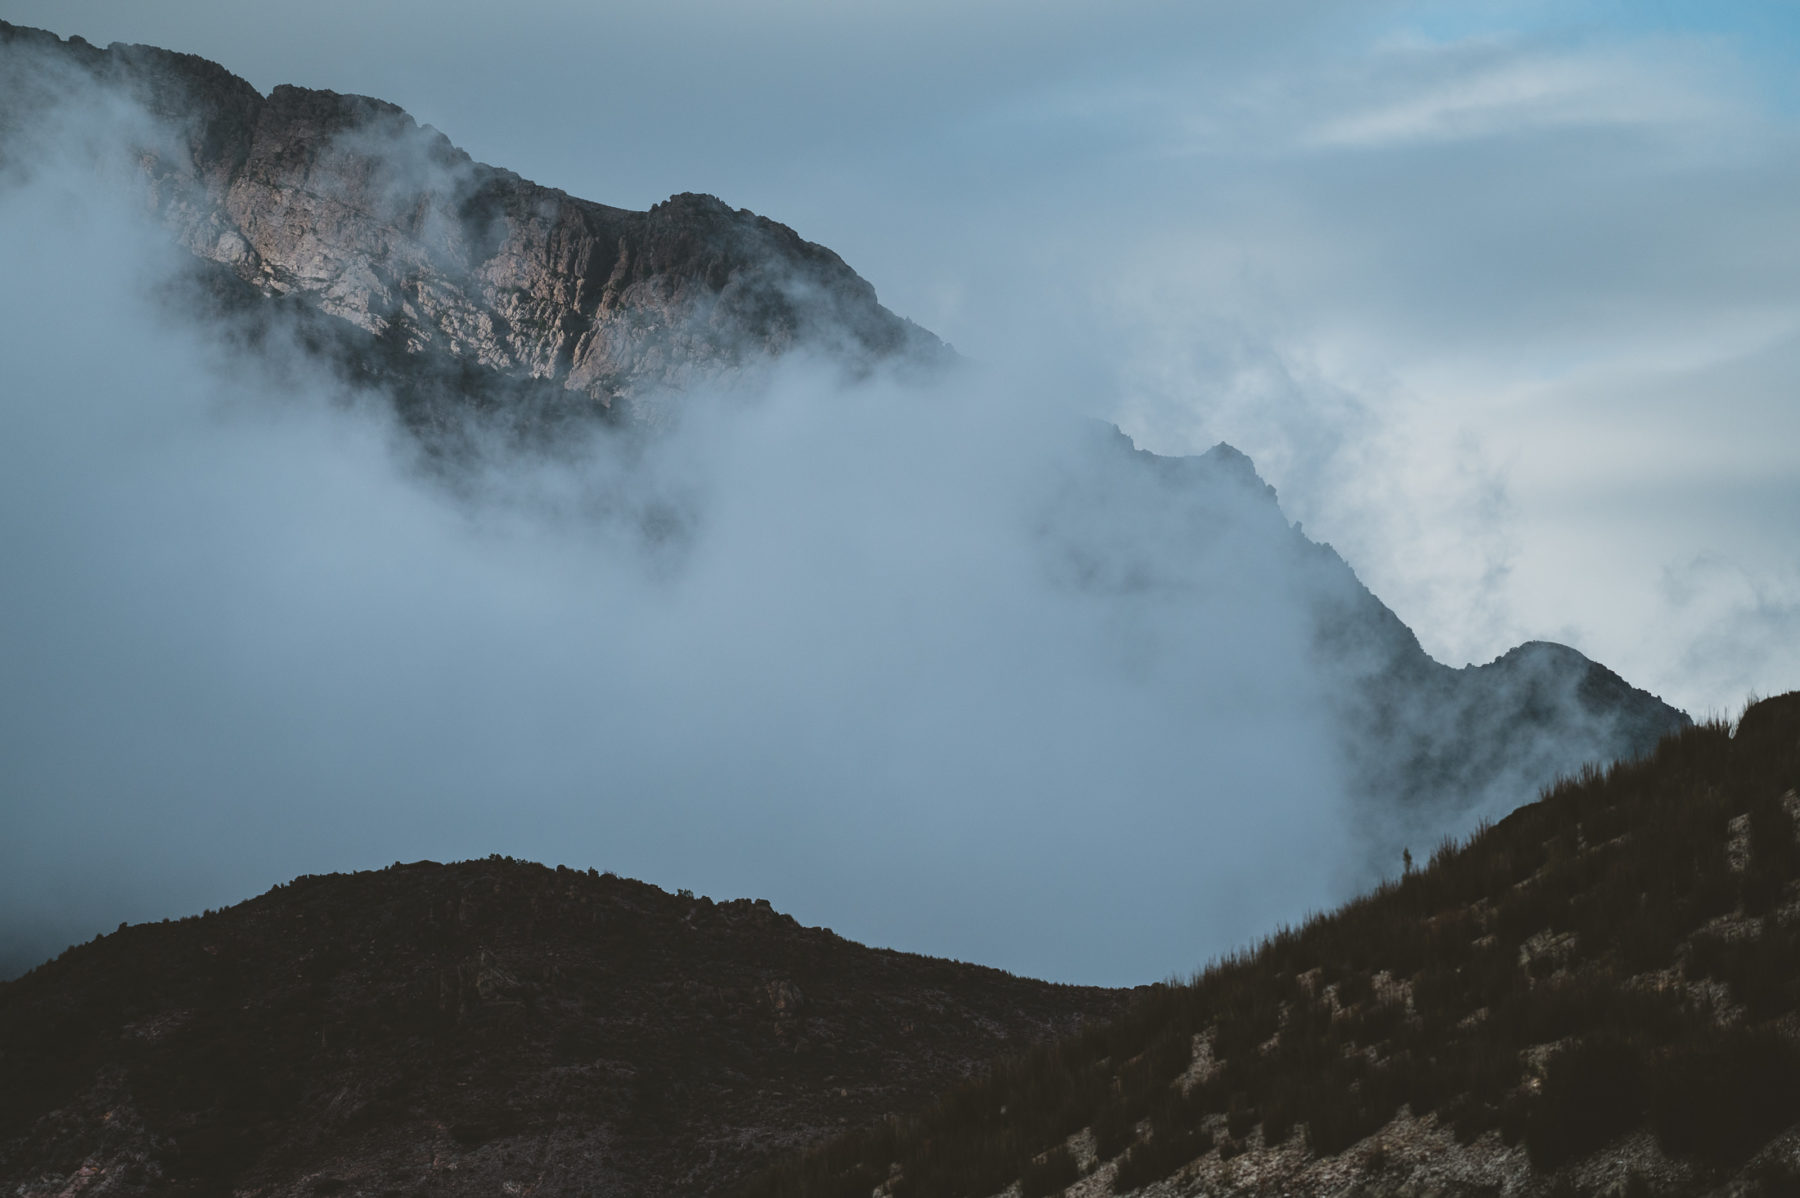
pixel 1575 933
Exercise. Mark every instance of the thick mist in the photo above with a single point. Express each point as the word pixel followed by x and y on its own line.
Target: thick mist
pixel 1502 297
pixel 849 648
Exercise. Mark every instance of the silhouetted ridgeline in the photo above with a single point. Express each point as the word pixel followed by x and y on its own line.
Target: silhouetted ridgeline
pixel 464 1028
pixel 1597 994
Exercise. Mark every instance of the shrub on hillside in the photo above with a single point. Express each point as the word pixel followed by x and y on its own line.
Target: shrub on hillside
pixel 1160 1156
pixel 1050 1174
pixel 1239 1117
pixel 1722 1097
pixel 1593 1091
pixel 1761 970
pixel 1114 1131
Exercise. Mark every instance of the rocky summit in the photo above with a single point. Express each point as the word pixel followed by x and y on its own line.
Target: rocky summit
pixel 345 200
pixel 489 1027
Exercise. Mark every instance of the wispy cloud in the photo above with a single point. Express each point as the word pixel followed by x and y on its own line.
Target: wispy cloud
pixel 1414 91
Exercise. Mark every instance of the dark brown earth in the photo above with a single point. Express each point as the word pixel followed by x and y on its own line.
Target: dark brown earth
pixel 491 1027
pixel 1597 996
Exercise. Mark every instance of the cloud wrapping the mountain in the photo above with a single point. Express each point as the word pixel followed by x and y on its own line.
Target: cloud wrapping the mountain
pixel 826 647
pixel 1451 228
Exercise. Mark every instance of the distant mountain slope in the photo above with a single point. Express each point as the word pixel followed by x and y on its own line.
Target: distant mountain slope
pixel 348 202
pixel 1424 743
pixel 486 1027
pixel 1598 995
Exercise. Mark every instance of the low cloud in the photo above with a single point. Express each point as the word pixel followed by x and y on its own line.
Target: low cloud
pixel 907 662
pixel 882 666
pixel 1424 213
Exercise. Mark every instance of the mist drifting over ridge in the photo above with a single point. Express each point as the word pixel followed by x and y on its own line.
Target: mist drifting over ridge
pixel 915 661
pixel 249 643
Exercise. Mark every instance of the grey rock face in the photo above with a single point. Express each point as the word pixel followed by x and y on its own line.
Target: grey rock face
pixel 346 201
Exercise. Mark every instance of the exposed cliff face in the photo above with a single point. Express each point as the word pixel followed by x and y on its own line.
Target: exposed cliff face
pixel 346 201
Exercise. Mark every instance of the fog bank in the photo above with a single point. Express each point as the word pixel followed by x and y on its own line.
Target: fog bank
pixel 249 636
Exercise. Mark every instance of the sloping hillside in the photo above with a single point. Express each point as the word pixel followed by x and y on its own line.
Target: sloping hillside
pixel 486 1027
pixel 1596 995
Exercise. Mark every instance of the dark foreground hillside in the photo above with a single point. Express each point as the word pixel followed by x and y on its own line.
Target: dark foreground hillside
pixel 1600 994
pixel 488 1027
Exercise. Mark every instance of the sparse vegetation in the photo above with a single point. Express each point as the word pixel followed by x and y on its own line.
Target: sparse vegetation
pixel 480 1008
pixel 1603 960
pixel 1050 1173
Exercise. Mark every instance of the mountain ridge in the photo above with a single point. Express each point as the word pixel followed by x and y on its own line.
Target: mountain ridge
pixel 468 1026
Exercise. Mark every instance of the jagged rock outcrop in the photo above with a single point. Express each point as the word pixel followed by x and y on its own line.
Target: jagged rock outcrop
pixel 346 201
pixel 488 1027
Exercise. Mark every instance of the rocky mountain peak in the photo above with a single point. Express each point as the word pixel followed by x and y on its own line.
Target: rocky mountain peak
pixel 346 201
